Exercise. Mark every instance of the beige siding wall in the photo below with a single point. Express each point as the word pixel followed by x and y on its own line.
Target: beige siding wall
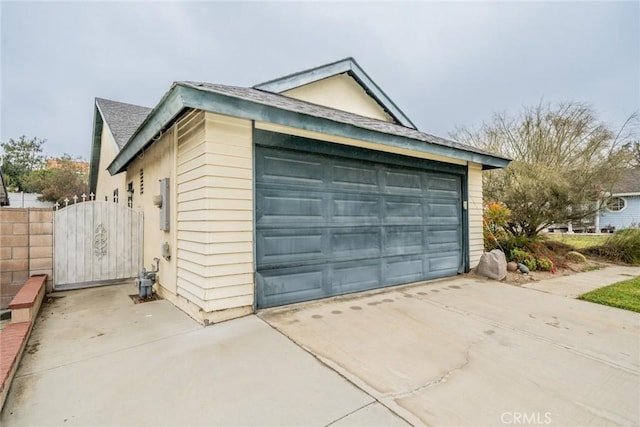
pixel 157 162
pixel 476 245
pixel 215 213
pixel 343 93
pixel 107 183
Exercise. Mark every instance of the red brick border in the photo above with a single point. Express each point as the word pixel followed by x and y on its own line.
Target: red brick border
pixel 13 338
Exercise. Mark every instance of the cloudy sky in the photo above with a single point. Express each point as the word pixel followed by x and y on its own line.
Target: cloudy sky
pixel 445 64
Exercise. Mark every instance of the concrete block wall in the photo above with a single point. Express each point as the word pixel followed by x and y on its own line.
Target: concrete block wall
pixel 26 248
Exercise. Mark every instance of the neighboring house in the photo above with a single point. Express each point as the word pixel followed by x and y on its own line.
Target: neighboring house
pixel 307 186
pixel 4 195
pixel 623 210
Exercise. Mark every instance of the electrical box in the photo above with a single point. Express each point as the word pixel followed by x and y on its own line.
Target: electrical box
pixel 164 207
pixel 166 251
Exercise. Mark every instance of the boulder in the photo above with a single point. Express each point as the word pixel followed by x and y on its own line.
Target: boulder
pixel 574 256
pixel 493 265
pixel 512 266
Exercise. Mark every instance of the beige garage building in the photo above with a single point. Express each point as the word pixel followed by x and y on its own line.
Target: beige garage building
pixel 307 186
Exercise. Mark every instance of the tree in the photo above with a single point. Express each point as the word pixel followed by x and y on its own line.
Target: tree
pixel 564 161
pixel 21 157
pixel 634 151
pixel 67 178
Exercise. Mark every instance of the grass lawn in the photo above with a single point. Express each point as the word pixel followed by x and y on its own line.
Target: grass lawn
pixel 579 241
pixel 624 294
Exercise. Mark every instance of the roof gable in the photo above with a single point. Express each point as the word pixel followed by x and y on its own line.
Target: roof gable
pixel 341 92
pixel 122 120
pixel 346 66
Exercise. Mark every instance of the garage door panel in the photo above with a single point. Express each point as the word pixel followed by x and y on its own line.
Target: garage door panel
pixel 446 263
pixel 285 247
pixel 354 276
pixel 403 210
pixel 290 207
pixel 403 241
pixel 439 214
pixel 349 208
pixel 402 182
pixel 358 243
pixel 288 167
pixel 403 269
pixel 354 176
pixel 444 184
pixel 441 241
pixel 288 285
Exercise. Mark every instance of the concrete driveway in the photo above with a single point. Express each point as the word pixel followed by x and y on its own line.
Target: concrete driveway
pixel 476 352
pixel 95 358
pixel 454 352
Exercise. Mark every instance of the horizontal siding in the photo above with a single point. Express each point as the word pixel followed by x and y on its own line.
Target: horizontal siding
pixel 214 226
pixel 217 281
pixel 230 204
pixel 226 303
pixel 628 217
pixel 215 212
pixel 215 171
pixel 476 245
pixel 216 248
pixel 209 271
pixel 220 237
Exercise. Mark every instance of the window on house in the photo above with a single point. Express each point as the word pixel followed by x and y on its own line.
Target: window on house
pixel 115 196
pixel 141 181
pixel 616 204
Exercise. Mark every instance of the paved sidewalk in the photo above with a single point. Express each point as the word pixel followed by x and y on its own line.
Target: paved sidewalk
pixel 577 284
pixel 95 359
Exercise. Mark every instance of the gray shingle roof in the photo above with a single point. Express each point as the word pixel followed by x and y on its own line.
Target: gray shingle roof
pixel 629 182
pixel 123 119
pixel 298 106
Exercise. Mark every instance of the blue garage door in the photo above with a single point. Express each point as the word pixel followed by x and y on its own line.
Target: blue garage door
pixel 327 225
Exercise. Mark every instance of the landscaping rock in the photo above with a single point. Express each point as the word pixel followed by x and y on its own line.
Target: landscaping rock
pixel 493 265
pixel 512 266
pixel 523 268
pixel 574 256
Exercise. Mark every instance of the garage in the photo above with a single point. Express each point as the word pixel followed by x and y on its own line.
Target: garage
pixel 332 219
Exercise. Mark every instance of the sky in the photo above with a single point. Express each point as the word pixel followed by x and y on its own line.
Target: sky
pixel 445 64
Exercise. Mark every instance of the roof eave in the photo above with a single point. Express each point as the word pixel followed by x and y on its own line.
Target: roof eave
pixel 96 144
pixel 158 119
pixel 183 95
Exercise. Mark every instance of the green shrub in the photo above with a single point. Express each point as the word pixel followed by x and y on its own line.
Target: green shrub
pixel 544 264
pixel 524 257
pixel 623 246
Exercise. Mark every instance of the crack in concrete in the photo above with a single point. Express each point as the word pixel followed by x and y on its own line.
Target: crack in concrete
pixel 443 378
pixel 350 413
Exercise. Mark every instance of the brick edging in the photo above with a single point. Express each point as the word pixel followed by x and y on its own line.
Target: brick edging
pixel 13 340
pixel 28 294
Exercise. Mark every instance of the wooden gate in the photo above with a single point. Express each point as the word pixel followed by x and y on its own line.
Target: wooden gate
pixel 96 243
